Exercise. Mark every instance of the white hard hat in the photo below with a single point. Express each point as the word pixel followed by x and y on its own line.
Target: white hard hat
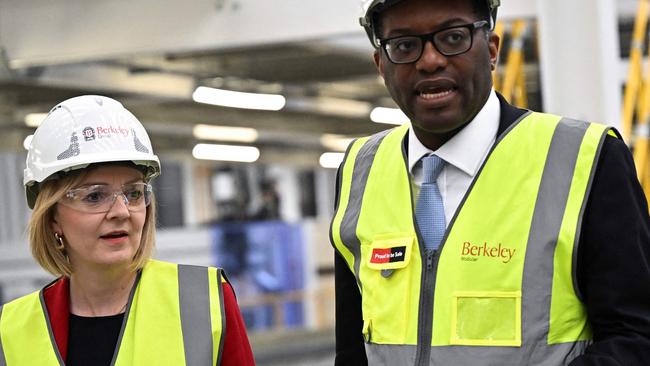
pixel 85 130
pixel 372 7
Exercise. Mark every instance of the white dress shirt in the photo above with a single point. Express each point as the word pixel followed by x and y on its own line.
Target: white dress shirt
pixel 464 154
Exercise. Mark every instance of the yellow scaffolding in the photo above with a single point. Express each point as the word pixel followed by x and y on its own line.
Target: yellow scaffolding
pixel 636 106
pixel 634 76
pixel 637 99
pixel 513 83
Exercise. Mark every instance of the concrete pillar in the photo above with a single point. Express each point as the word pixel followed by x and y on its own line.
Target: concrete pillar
pixel 580 59
pixel 288 187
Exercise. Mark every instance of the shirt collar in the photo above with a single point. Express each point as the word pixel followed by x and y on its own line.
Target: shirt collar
pixel 467 149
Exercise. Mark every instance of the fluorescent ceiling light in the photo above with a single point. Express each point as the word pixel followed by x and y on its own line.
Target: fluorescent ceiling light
pixel 343 107
pixel 34 119
pixel 393 116
pixel 335 142
pixel 223 133
pixel 332 106
pixel 27 142
pixel 229 98
pixel 244 154
pixel 331 159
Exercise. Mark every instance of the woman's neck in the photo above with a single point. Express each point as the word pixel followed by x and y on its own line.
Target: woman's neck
pixel 105 293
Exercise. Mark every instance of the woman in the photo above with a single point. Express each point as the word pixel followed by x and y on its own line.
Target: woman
pixel 88 175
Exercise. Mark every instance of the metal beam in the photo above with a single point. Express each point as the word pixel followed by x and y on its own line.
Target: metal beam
pixel 517 9
pixel 579 59
pixel 112 78
pixel 42 32
pixel 63 31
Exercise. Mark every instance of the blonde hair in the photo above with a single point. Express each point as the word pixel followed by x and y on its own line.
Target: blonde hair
pixel 42 242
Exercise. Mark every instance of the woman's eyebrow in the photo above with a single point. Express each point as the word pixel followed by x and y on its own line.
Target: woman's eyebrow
pixel 100 183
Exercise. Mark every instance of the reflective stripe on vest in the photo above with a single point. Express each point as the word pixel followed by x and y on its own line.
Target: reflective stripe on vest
pixel 365 149
pixel 3 362
pixel 506 279
pixel 174 316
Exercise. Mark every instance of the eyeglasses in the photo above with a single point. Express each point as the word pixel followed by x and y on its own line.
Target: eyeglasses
pixel 450 41
pixel 100 198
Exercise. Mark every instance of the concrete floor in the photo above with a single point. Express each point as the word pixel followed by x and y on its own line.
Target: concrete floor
pixel 294 348
pixel 316 361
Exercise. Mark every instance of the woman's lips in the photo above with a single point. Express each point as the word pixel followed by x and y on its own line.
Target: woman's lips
pixel 115 237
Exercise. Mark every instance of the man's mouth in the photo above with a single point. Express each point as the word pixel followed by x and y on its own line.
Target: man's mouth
pixel 435 90
pixel 435 94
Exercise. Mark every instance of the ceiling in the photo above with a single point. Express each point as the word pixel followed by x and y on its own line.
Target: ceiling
pixel 318 83
pixel 330 82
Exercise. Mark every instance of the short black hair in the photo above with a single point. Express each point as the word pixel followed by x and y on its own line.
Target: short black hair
pixel 481 9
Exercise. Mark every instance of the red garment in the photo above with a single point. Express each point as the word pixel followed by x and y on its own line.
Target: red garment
pixel 236 348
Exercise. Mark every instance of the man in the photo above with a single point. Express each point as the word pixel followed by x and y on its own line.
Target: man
pixel 483 234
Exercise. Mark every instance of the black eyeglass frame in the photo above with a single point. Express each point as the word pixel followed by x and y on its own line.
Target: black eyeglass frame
pixel 431 37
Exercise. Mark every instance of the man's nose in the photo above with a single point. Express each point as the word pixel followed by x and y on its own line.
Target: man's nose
pixel 431 59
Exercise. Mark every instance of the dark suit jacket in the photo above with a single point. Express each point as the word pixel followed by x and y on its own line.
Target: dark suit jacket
pixel 613 267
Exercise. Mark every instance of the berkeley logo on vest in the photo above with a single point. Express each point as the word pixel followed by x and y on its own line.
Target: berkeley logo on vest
pixel 388 255
pixel 472 253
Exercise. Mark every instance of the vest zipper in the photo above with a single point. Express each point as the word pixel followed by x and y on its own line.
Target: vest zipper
pixel 425 316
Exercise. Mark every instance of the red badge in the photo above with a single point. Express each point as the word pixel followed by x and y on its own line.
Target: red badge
pixel 388 255
pixel 380 255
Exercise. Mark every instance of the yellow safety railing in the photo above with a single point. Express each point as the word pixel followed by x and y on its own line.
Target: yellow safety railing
pixel 636 131
pixel 513 84
pixel 635 75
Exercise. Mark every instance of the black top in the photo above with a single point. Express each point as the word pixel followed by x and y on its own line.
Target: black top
pixel 613 267
pixel 92 341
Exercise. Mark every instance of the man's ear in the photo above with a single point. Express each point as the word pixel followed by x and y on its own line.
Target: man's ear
pixel 493 46
pixel 379 62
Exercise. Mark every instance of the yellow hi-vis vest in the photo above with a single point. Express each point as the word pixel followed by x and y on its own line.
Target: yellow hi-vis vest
pixel 501 289
pixel 175 316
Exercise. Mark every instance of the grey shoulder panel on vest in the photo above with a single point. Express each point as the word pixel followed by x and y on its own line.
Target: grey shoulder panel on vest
pixel 547 219
pixel 3 362
pixel 49 328
pixel 362 165
pixel 194 296
pixel 582 210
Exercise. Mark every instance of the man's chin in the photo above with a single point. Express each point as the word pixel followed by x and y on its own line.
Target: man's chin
pixel 438 124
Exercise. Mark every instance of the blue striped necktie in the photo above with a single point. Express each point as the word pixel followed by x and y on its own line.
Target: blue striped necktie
pixel 429 209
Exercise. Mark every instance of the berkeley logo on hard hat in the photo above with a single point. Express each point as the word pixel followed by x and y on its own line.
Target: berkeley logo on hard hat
pixel 104 132
pixel 89 134
pixel 72 150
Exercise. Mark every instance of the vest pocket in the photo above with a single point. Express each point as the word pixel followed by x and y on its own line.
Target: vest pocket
pixel 389 252
pixel 486 318
pixel 386 276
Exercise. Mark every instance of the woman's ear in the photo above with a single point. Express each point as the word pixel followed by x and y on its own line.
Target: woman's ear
pixel 56 228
